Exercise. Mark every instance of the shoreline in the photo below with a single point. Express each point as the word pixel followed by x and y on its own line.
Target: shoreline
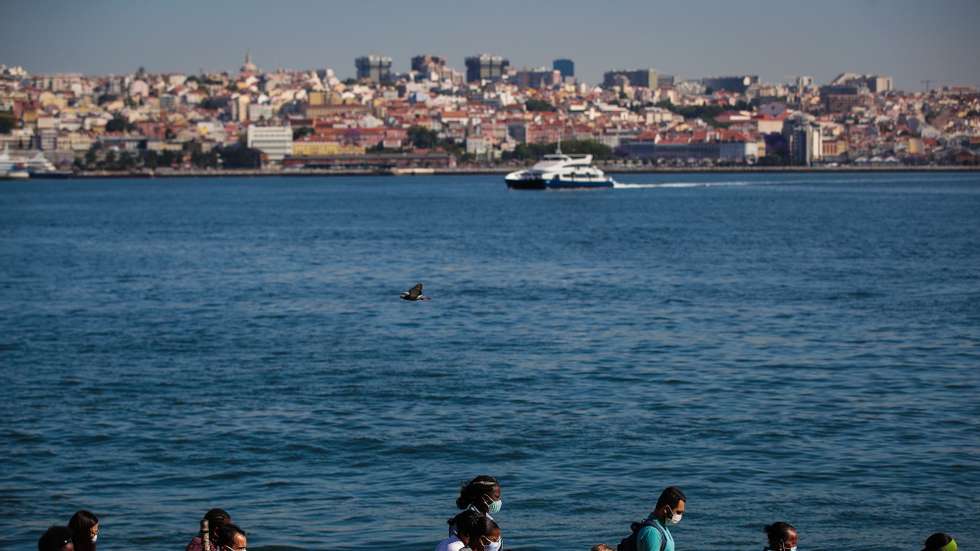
pixel 484 171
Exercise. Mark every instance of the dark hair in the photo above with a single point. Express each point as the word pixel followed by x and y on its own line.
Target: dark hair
pixel 464 522
pixel 482 526
pixel 937 541
pixel 54 538
pixel 81 524
pixel 472 493
pixel 671 496
pixel 217 518
pixel 226 536
pixel 778 533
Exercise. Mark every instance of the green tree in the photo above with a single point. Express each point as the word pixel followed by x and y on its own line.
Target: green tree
pixel 520 153
pixel 151 159
pixel 201 159
pixel 117 124
pixel 538 105
pixel 127 160
pixel 239 156
pixel 168 158
pixel 7 122
pixel 422 137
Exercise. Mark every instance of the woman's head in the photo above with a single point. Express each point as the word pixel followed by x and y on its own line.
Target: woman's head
pixel 84 527
pixel 465 523
pixel 481 493
pixel 217 519
pixel 231 538
pixel 782 536
pixel 482 535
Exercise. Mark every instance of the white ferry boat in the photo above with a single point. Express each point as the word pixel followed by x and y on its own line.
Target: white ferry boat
pixel 560 171
pixel 12 167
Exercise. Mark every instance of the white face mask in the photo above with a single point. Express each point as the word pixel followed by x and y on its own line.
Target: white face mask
pixel 493 545
pixel 792 548
pixel 94 538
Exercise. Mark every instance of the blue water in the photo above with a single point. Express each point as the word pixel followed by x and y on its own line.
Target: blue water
pixel 783 347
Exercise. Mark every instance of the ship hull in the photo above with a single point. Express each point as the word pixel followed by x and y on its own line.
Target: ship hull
pixel 558 183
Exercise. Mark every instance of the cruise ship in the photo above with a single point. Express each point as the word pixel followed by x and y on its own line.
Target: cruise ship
pixel 560 171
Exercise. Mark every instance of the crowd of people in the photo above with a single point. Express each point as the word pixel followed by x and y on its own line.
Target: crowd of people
pixel 472 529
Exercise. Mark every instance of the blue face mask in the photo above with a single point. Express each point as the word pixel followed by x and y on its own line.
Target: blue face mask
pixel 494 507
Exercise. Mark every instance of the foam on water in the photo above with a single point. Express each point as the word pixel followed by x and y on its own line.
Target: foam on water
pixel 627 185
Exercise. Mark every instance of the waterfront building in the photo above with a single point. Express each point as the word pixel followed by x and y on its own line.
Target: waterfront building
pixel 374 68
pixel 276 142
pixel 564 66
pixel 804 140
pixel 738 84
pixel 646 78
pixel 312 146
pixel 665 81
pixel 685 150
pixel 486 67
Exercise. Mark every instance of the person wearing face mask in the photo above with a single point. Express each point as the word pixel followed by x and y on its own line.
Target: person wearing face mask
pixel 84 527
pixel 481 494
pixel 231 538
pixel 782 537
pixel 460 527
pixel 653 534
pixel 484 535
pixel 217 519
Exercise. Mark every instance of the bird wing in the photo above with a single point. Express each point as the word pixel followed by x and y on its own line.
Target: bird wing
pixel 416 291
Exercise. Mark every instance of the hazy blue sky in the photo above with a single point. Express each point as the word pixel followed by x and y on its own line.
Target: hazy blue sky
pixel 910 40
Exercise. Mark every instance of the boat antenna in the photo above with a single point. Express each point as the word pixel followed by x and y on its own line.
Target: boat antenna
pixel 558 151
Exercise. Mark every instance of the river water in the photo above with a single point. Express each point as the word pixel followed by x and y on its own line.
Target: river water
pixel 792 347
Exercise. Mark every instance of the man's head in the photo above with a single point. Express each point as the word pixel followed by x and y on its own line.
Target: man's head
pixel 940 542
pixel 231 538
pixel 57 538
pixel 782 536
pixel 671 505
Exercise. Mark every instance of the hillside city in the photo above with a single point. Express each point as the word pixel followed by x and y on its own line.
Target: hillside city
pixel 489 115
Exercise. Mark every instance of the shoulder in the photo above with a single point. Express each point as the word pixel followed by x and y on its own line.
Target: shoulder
pixel 451 543
pixel 648 534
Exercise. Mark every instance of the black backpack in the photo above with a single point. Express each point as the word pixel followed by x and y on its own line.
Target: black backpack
pixel 629 542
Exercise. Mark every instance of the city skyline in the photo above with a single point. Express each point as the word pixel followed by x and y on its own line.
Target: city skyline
pixel 911 42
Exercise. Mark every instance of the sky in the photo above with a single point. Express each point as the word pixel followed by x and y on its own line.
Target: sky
pixel 911 41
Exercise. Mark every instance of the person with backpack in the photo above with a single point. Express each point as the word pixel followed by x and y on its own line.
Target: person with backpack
pixel 653 534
